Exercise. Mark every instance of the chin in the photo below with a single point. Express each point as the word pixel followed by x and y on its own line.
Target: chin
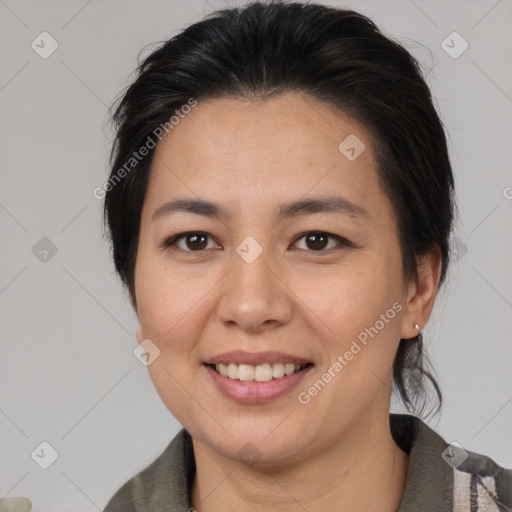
pixel 263 443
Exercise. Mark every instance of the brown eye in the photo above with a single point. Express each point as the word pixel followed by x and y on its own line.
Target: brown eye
pixel 317 241
pixel 195 241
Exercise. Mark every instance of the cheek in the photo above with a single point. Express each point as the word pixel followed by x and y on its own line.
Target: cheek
pixel 174 384
pixel 354 295
pixel 167 312
pixel 162 294
pixel 362 310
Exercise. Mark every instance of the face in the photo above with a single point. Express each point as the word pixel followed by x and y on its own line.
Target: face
pixel 263 283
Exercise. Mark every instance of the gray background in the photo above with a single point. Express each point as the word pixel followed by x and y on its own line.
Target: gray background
pixel 68 373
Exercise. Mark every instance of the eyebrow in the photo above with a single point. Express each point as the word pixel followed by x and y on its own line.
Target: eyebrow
pixel 331 204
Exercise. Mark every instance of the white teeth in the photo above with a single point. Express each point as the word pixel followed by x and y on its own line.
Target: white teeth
pixel 289 369
pixel 278 370
pixel 233 371
pixel 246 372
pixel 261 373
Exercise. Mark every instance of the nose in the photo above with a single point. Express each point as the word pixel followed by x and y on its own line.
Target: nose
pixel 254 294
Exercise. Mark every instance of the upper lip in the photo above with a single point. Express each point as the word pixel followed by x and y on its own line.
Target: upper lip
pixel 255 358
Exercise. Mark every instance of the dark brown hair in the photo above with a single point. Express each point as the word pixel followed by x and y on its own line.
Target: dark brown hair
pixel 334 55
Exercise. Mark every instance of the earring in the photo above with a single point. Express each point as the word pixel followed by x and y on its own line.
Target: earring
pixel 417 327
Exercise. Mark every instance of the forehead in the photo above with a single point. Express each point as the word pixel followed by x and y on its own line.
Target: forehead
pixel 290 123
pixel 288 146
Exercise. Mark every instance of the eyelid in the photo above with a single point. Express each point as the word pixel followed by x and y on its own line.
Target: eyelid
pixel 171 241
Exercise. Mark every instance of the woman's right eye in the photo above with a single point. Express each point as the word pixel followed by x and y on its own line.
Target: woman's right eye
pixel 193 239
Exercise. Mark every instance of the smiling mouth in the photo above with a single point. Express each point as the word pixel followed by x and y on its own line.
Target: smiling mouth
pixel 260 373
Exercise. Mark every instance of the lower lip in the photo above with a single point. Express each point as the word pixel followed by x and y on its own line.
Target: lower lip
pixel 256 392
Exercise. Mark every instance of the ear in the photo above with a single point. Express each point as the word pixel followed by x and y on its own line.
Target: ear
pixel 421 294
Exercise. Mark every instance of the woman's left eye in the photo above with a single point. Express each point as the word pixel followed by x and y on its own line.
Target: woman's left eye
pixel 317 240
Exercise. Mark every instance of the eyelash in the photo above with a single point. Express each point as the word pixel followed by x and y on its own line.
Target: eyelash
pixel 170 242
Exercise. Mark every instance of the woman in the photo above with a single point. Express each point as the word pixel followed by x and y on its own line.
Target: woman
pixel 280 205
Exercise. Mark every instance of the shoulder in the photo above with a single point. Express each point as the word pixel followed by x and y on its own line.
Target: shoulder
pixel 446 476
pixel 481 482
pixel 163 482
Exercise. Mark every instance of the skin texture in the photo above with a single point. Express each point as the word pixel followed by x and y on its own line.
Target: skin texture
pixel 336 452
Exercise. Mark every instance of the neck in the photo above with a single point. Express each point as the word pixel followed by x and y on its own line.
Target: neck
pixel 365 470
